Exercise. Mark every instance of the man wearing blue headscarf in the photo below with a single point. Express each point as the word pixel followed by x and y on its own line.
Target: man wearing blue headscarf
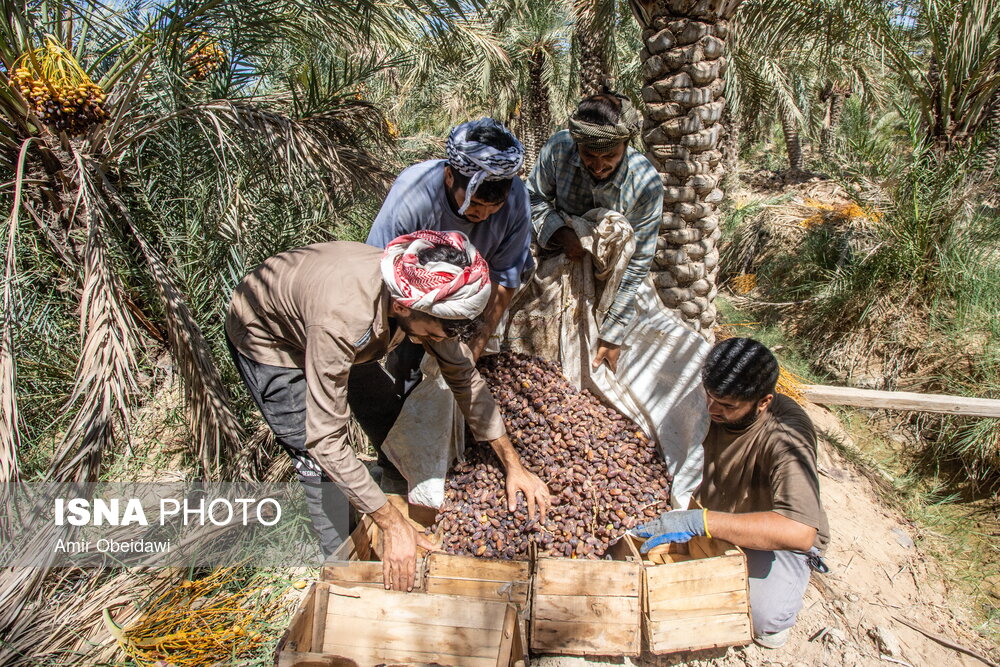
pixel 475 191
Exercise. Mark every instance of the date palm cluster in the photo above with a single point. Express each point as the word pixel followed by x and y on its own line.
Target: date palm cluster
pixel 58 91
pixel 604 474
pixel 204 58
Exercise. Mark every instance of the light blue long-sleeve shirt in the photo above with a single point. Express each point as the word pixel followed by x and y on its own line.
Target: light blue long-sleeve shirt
pixel 418 200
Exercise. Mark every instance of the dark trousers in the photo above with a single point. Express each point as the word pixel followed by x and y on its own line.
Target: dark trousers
pixel 280 394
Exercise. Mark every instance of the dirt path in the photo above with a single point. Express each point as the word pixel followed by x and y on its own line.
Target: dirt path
pixel 877 575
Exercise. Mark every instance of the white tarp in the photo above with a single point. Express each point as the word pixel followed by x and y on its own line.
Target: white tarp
pixel 555 316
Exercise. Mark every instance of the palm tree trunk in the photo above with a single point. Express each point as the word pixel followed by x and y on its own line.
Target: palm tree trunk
pixel 539 114
pixel 730 144
pixel 683 65
pixel 790 128
pixel 831 124
pixel 594 44
pixel 991 147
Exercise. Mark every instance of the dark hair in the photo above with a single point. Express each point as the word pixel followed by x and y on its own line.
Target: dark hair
pixel 740 368
pixel 490 192
pixel 464 330
pixel 600 109
pixel 496 136
pixel 443 253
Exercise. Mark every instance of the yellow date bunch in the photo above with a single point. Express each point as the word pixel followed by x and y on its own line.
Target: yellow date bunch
pixel 57 89
pixel 204 58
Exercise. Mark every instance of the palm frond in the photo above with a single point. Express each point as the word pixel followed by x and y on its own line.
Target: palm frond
pixel 105 372
pixel 217 432
pixel 10 418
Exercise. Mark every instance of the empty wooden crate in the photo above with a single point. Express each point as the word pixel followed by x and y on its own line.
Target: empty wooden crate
pixel 338 626
pixel 695 596
pixel 586 607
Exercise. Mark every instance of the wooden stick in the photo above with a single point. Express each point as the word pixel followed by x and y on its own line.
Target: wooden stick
pixel 902 400
pixel 946 642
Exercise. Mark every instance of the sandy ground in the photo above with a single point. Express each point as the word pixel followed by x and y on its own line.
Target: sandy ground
pixel 877 577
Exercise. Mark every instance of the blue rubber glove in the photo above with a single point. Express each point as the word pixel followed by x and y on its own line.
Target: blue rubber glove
pixel 675 526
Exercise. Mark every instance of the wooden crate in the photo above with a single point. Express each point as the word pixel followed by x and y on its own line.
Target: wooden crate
pixel 695 596
pixel 357 564
pixel 338 626
pixel 587 607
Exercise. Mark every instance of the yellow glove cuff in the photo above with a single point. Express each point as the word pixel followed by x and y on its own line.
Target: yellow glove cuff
pixel 704 520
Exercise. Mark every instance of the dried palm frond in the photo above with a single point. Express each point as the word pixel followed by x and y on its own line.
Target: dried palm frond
pixel 743 283
pixel 66 625
pixel 217 431
pixel 823 212
pixel 10 419
pixel 105 372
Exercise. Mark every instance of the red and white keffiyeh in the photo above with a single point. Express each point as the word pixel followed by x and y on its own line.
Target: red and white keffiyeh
pixel 437 288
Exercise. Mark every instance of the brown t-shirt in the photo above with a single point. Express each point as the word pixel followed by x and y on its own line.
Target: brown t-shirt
pixel 768 467
pixel 323 308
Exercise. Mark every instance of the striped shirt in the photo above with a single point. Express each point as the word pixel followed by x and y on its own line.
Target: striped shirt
pixel 559 183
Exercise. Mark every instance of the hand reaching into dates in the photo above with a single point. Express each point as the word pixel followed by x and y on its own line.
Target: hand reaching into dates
pixel 607 353
pixel 535 492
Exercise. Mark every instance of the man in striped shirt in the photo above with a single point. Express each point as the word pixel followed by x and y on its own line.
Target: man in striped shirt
pixel 591 165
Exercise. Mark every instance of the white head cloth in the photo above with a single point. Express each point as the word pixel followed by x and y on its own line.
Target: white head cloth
pixel 437 288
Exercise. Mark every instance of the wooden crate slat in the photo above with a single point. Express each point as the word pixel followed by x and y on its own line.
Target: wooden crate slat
pixel 700 606
pixel 510 642
pixel 693 570
pixel 503 591
pixel 587 608
pixel 365 573
pixel 459 567
pixel 693 634
pixel 358 546
pixel 403 635
pixel 373 655
pixel 732 582
pixel 310 659
pixel 566 576
pixel 437 610
pixel 320 602
pixel 298 637
pixel 585 638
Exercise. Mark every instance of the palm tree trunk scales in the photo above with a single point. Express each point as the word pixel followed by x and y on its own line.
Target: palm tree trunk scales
pixel 683 66
pixel 828 136
pixel 793 145
pixel 539 115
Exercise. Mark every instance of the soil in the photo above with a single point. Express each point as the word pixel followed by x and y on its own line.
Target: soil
pixel 877 576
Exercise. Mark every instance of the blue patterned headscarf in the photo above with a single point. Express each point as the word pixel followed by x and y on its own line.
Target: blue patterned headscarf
pixel 482 162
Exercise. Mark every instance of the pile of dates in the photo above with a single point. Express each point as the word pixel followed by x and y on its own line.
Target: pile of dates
pixel 604 475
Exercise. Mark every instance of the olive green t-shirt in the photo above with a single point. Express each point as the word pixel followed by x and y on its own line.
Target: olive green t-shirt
pixel 768 466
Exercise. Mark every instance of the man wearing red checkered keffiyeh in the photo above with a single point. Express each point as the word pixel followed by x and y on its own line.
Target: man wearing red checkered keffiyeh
pixel 454 290
pixel 307 329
